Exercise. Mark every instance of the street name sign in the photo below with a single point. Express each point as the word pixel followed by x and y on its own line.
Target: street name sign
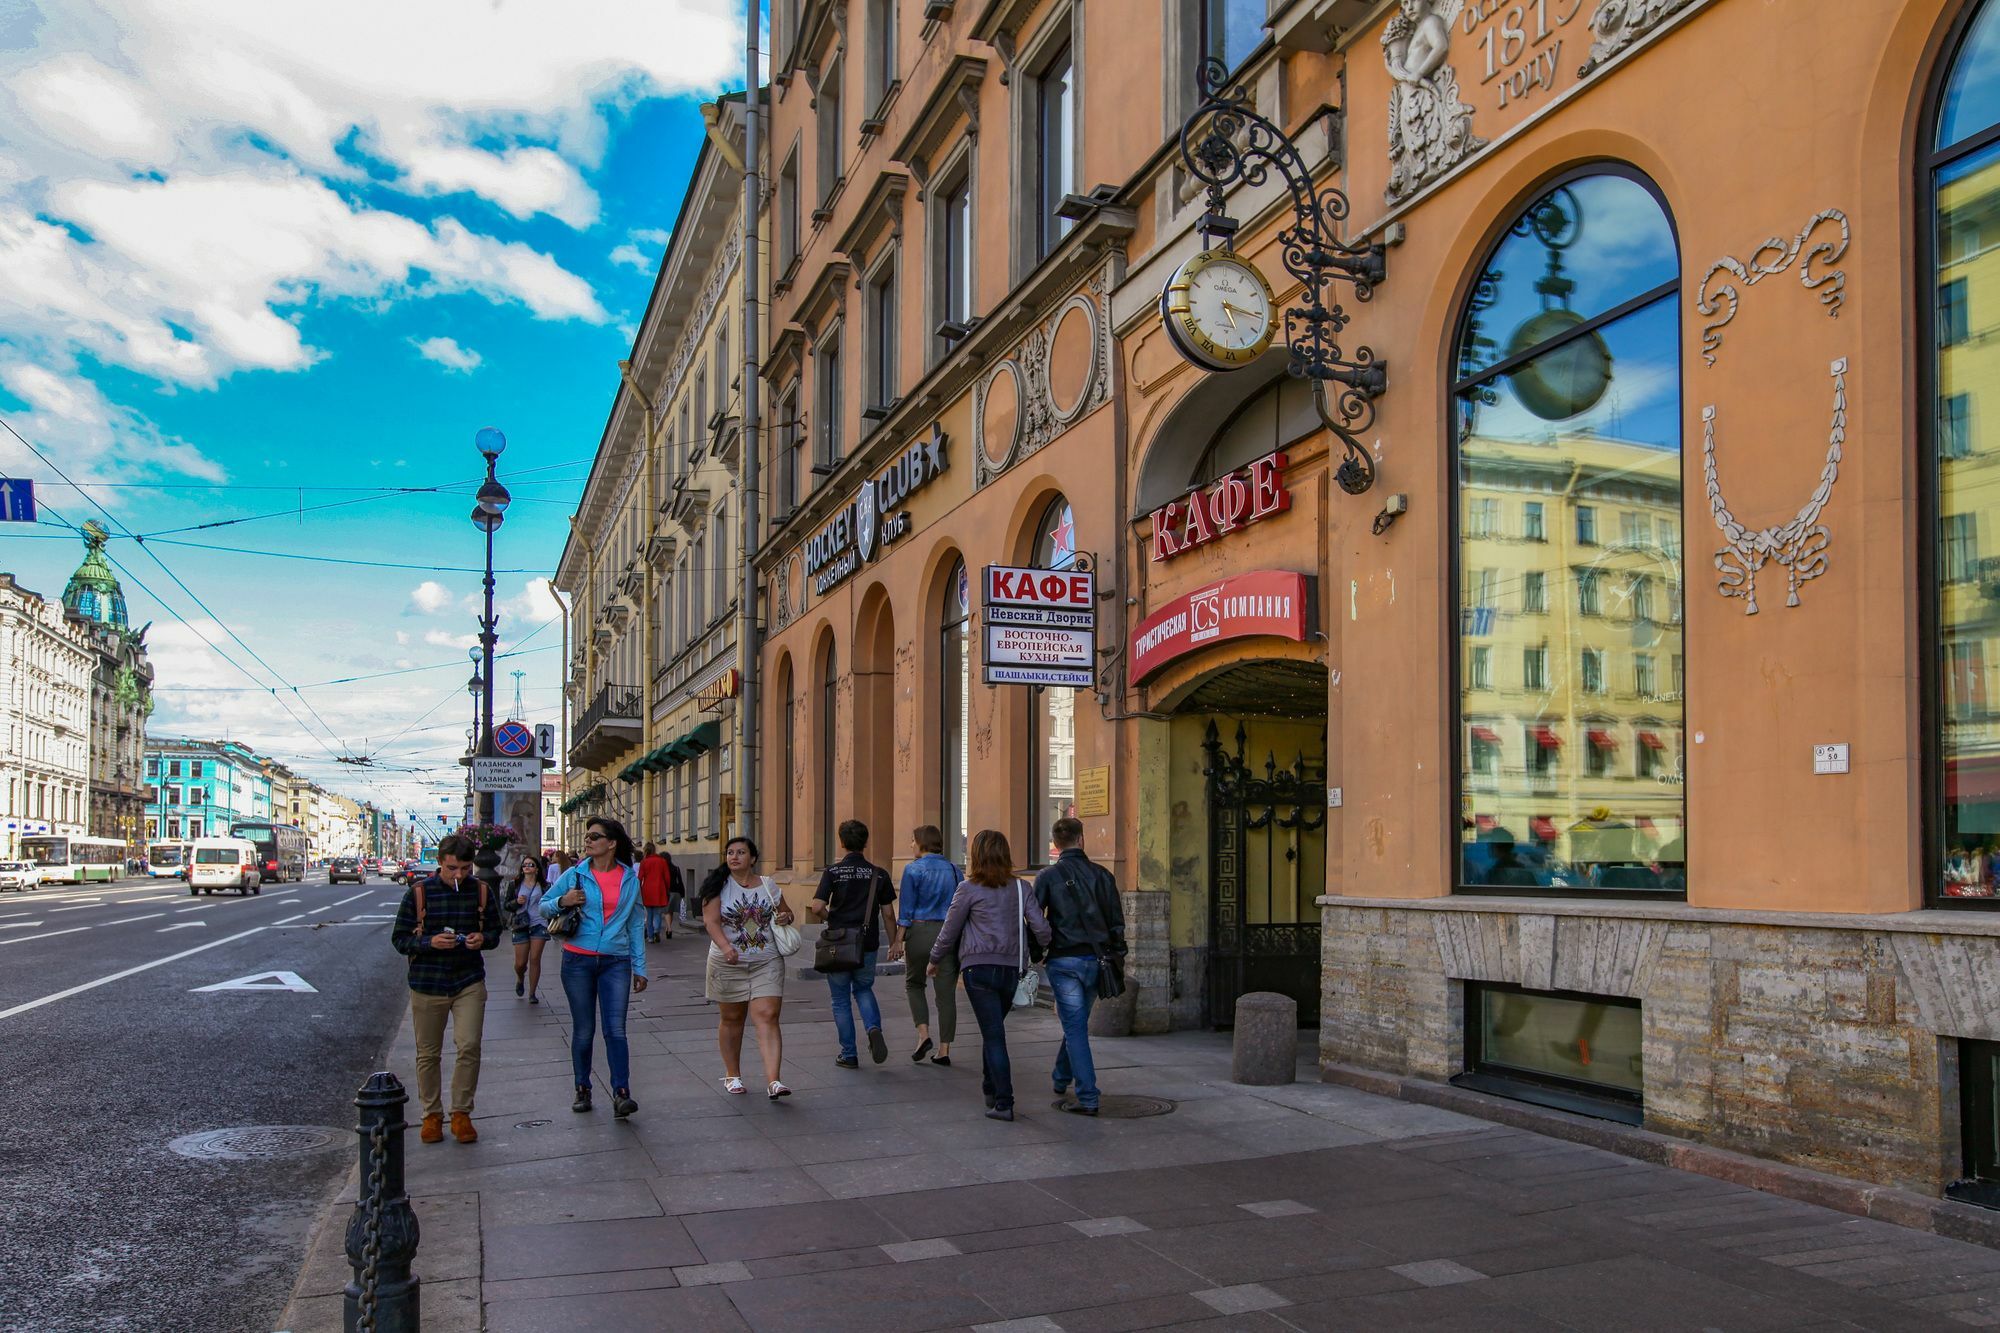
pixel 506 775
pixel 17 501
pixel 1040 626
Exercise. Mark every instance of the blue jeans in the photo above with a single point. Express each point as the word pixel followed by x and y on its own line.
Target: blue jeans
pixel 654 917
pixel 857 988
pixel 1074 981
pixel 595 982
pixel 989 989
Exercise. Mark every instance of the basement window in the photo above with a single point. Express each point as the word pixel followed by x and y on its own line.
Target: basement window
pixel 1560 1049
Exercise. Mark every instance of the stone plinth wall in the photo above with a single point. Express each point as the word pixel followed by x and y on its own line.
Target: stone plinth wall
pixel 1814 1039
pixel 1148 960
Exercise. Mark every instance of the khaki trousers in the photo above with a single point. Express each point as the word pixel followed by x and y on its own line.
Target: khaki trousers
pixel 917 942
pixel 467 1011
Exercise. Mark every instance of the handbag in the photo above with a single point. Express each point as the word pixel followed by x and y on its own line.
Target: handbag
pixel 1031 978
pixel 787 940
pixel 842 948
pixel 566 921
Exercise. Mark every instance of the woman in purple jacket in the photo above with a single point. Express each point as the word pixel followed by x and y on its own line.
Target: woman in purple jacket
pixel 984 927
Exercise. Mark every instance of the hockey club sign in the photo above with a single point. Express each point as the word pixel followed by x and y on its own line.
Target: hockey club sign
pixel 872 520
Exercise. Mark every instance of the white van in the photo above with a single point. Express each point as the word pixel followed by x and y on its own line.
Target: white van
pixel 224 863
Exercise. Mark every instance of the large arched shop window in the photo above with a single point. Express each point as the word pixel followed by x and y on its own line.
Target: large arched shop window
pixel 788 725
pixel 829 783
pixel 1964 171
pixel 1051 709
pixel 954 709
pixel 1566 414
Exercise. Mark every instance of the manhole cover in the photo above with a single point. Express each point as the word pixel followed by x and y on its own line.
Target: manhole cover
pixel 1127 1108
pixel 258 1142
pixel 529 1124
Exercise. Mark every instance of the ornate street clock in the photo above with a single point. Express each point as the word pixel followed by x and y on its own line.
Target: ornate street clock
pixel 1219 310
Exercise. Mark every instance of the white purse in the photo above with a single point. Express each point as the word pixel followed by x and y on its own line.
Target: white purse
pixel 786 939
pixel 1030 983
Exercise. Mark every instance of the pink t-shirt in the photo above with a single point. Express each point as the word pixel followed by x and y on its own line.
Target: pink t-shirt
pixel 610 887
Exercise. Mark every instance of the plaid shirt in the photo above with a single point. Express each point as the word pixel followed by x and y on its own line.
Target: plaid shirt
pixel 446 971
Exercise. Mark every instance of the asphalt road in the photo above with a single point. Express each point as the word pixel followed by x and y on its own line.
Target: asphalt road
pixel 108 1052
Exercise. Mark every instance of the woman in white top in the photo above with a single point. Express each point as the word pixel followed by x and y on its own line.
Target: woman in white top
pixel 746 973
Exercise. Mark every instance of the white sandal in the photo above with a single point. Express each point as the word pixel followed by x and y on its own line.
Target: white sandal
pixel 779 1090
pixel 733 1085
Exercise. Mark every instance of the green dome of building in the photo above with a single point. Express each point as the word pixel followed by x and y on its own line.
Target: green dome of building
pixel 93 591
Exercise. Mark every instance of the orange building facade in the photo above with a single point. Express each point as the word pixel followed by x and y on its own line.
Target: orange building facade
pixel 1626 747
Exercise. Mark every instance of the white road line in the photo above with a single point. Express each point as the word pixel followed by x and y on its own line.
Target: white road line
pixel 288 919
pixel 344 901
pixel 120 976
pixel 180 926
pixel 315 925
pixel 78 908
pixel 20 925
pixel 198 907
pixel 150 916
pixel 155 898
pixel 317 910
pixel 9 916
pixel 45 935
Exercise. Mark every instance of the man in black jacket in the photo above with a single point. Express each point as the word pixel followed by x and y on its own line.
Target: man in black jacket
pixel 1087 924
pixel 443 926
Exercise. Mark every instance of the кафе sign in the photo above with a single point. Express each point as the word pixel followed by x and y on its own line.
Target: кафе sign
pixel 871 520
pixel 1222 507
pixel 1040 626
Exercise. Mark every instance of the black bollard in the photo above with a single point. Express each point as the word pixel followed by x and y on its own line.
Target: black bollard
pixel 382 1234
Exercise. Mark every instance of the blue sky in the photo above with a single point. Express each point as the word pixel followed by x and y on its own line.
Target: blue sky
pixel 250 246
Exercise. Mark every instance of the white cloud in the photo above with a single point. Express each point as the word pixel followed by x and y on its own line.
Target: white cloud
pixel 535 604
pixel 656 237
pixel 70 419
pixel 438 638
pixel 428 598
pixel 631 256
pixel 448 353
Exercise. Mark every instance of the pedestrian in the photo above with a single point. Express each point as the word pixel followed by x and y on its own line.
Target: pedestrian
pixel 443 926
pixel 1087 921
pixel 531 929
pixel 746 973
pixel 655 879
pixel 929 882
pixel 856 893
pixel 605 960
pixel 984 928
pixel 555 862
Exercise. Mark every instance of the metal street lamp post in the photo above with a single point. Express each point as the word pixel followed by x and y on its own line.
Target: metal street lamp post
pixel 475 687
pixel 487 515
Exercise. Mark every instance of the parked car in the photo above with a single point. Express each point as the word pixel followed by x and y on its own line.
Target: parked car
pixel 225 863
pixel 416 872
pixel 19 875
pixel 345 869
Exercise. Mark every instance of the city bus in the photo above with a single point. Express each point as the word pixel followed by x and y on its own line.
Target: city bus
pixel 63 859
pixel 281 848
pixel 166 860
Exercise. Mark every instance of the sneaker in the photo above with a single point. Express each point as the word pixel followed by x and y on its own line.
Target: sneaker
pixel 1001 1113
pixel 779 1090
pixel 622 1104
pixel 1078 1108
pixel 847 1061
pixel 878 1045
pixel 732 1085
pixel 461 1127
pixel 433 1130
pixel 991 1101
pixel 520 988
pixel 582 1102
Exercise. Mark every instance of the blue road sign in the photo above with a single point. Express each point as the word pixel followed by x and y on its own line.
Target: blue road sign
pixel 17 501
pixel 513 739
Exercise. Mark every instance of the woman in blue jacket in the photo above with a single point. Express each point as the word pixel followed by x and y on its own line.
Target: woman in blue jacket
pixel 605 961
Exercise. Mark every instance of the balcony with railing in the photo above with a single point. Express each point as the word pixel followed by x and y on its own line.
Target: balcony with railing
pixel 611 724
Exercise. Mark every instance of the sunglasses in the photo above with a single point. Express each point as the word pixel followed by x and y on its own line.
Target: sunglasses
pixel 597 837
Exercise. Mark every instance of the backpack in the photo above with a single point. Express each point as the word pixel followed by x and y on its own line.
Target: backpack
pixel 418 889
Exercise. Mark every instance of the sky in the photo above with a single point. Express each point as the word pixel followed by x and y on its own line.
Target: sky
pixel 267 262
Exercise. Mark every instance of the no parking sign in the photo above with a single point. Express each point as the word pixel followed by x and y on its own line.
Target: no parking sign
pixel 513 739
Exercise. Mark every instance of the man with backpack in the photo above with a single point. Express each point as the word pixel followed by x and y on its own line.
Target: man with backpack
pixel 1086 957
pixel 443 926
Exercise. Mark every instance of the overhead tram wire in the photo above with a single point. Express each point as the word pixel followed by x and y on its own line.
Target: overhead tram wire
pixel 349 680
pixel 275 673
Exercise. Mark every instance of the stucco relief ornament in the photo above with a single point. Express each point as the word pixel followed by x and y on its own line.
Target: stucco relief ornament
pixel 1619 23
pixel 1774 256
pixel 1800 545
pixel 1430 129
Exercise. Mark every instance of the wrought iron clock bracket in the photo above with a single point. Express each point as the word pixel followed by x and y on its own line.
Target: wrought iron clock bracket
pixel 1224 143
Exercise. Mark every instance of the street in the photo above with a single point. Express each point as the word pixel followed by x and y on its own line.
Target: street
pixel 109 1054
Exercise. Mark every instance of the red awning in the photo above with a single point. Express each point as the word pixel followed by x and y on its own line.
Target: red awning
pixel 1547 738
pixel 1974 778
pixel 1484 822
pixel 1487 734
pixel 1651 740
pixel 1543 828
pixel 1603 740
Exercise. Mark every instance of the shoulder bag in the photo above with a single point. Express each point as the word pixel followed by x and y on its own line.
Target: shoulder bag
pixel 565 922
pixel 1031 979
pixel 1110 966
pixel 785 939
pixel 843 948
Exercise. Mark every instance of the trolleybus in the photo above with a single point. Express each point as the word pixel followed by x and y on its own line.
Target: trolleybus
pixel 281 848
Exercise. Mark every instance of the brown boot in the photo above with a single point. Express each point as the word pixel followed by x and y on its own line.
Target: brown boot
pixel 433 1130
pixel 461 1127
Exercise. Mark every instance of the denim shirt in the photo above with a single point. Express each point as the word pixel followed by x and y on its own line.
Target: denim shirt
pixel 928 884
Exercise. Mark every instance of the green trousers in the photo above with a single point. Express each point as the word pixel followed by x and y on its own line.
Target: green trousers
pixel 917 940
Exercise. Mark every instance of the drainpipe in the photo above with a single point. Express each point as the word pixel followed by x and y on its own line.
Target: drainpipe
pixel 748 630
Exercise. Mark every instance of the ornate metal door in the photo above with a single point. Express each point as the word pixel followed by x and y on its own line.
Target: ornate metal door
pixel 1266 865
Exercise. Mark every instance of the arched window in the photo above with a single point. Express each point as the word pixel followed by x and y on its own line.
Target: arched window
pixel 954 708
pixel 1566 415
pixel 1964 188
pixel 788 773
pixel 829 783
pixel 1051 708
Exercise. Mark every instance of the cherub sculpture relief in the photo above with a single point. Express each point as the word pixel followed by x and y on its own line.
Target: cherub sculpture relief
pixel 1429 128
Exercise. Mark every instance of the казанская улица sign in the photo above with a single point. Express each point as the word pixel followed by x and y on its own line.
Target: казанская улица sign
pixel 871 520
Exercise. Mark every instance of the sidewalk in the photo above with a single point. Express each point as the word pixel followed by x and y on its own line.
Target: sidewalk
pixel 882 1199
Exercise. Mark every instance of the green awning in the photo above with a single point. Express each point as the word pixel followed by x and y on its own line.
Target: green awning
pixel 655 760
pixel 630 773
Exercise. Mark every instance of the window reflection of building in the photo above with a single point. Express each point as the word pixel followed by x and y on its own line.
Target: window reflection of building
pixel 1052 714
pixel 1966 193
pixel 1568 437
pixel 955 704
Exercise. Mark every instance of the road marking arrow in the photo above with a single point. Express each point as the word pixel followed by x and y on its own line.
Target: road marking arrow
pixel 287 981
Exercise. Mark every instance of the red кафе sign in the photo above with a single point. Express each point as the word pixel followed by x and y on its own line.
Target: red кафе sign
pixel 1269 602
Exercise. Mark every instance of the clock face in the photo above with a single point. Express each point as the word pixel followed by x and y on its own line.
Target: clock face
pixel 1219 311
